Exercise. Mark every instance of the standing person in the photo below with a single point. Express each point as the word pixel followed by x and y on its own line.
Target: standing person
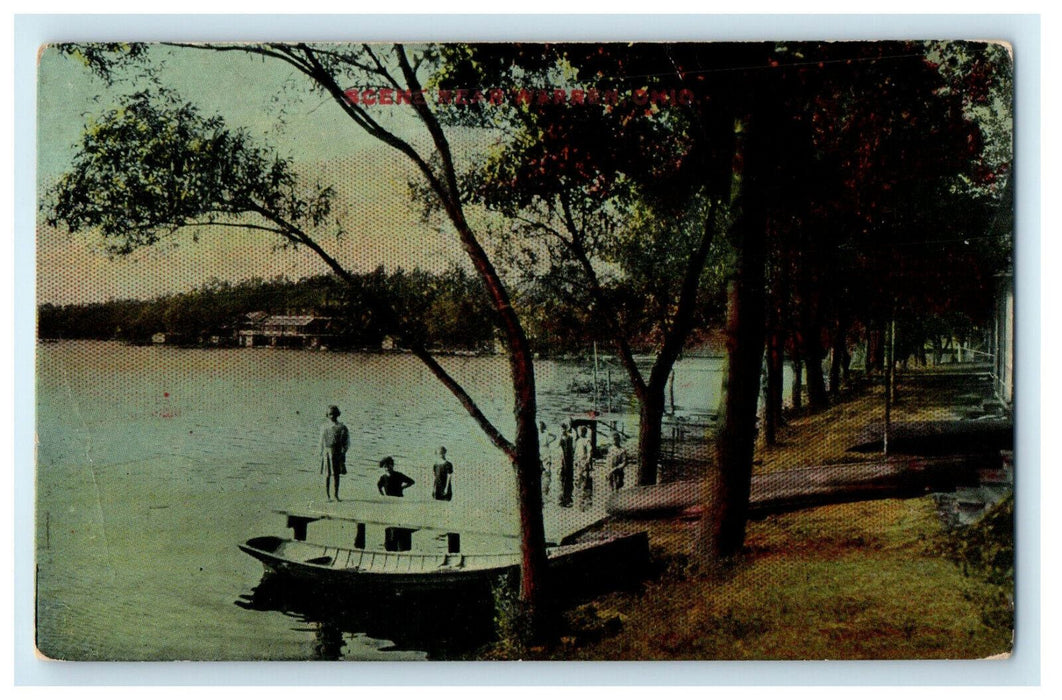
pixel 335 439
pixel 567 469
pixel 616 462
pixel 584 464
pixel 546 438
pixel 545 444
pixel 444 478
pixel 392 483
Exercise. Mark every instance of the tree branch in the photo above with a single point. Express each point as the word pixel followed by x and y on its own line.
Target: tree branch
pixel 242 48
pixel 230 224
pixel 682 322
pixel 434 128
pixel 457 390
pixel 380 69
pixel 388 313
pixel 309 65
pixel 598 293
pixel 325 79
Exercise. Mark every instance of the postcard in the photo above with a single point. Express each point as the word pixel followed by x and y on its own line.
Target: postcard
pixel 545 351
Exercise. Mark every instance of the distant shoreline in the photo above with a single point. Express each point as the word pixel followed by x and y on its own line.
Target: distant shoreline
pixel 437 352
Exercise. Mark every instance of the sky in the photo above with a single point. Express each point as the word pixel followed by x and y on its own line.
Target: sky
pixel 253 93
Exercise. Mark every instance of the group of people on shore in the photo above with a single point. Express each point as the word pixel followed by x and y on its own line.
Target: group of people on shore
pixel 576 464
pixel 335 441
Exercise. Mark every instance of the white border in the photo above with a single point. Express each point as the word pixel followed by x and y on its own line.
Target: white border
pixel 1023 31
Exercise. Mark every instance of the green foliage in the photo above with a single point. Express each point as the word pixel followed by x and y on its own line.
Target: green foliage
pixel 442 310
pixel 107 59
pixel 985 552
pixel 986 549
pixel 129 319
pixel 511 624
pixel 447 310
pixel 653 252
pixel 154 165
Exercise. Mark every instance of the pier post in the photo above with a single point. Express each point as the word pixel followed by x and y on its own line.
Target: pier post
pixel 359 537
pixel 298 527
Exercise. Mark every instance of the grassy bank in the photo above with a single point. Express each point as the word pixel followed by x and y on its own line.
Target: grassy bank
pixel 868 580
pixel 855 581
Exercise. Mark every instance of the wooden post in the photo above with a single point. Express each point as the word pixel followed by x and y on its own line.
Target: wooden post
pixel 608 388
pixel 398 539
pixel 671 391
pixel 359 537
pixel 595 376
pixel 889 369
pixel 298 525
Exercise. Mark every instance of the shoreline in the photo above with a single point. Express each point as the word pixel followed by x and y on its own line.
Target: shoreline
pixel 861 580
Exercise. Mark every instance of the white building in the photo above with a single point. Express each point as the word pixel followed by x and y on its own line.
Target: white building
pixel 1003 339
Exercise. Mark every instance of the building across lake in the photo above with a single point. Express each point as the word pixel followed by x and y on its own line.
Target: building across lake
pixel 286 331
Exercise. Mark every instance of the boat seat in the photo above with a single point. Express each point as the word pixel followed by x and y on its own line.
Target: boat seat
pixel 321 561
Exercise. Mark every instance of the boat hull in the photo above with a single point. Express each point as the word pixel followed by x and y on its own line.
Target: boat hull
pixel 577 567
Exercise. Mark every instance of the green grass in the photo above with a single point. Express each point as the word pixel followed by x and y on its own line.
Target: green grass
pixel 855 581
pixel 870 580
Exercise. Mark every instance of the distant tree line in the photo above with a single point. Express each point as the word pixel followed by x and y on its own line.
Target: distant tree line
pixel 442 310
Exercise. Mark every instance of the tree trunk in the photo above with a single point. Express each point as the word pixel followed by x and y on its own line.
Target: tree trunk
pixel 772 412
pixel 798 384
pixel 837 361
pixel 534 581
pixel 834 380
pixel 723 528
pixel 721 533
pixel 875 351
pixel 812 350
pixel 650 433
pixel 735 443
pixel 651 394
pixel 813 356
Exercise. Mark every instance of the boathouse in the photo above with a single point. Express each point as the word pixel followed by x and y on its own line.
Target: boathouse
pixel 289 331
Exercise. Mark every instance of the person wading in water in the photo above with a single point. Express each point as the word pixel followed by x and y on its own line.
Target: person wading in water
pixel 392 483
pixel 335 439
pixel 443 471
pixel 567 468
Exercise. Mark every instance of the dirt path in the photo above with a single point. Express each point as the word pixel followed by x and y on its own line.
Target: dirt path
pixel 808 439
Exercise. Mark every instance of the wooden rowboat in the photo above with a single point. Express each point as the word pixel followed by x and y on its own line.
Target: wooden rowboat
pixel 398 569
pixel 423 572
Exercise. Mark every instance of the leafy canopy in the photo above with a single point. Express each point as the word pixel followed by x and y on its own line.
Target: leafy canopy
pixel 155 164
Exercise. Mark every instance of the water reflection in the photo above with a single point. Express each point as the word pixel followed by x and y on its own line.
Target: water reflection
pixel 441 625
pixel 328 641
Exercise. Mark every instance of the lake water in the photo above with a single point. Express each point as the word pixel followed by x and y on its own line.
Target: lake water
pixel 153 462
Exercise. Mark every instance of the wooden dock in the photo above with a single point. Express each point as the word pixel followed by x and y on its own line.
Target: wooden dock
pixel 807 487
pixel 939 438
pixel 562 525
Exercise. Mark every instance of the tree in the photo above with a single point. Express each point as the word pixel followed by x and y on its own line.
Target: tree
pixel 155 166
pixel 899 164
pixel 721 138
pixel 625 199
